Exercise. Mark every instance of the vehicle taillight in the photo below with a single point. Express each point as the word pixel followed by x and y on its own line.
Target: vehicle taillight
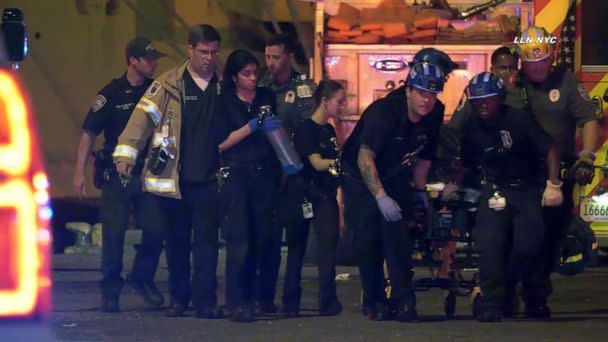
pixel 24 210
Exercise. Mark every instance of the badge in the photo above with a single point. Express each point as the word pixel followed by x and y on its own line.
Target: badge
pixel 554 95
pixel 304 91
pixel 583 92
pixel 100 101
pixel 462 102
pixel 153 90
pixel 307 210
pixel 505 136
pixel 290 97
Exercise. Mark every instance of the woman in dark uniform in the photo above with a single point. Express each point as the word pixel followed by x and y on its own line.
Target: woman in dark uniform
pixel 315 142
pixel 249 182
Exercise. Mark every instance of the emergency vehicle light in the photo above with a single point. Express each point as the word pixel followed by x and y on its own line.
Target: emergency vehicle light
pixel 15 153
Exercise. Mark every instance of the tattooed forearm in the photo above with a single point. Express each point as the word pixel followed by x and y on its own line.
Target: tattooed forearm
pixel 367 166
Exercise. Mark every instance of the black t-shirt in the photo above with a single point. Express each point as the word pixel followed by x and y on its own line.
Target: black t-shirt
pixel 199 157
pixel 509 150
pixel 312 138
pixel 233 113
pixel 112 109
pixel 384 127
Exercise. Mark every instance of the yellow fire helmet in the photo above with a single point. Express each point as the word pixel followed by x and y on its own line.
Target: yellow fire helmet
pixel 535 44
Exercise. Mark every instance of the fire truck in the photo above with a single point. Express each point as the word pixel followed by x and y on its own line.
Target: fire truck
pixel 366 44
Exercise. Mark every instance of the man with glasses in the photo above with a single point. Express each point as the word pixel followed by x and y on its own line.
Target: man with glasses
pixel 176 112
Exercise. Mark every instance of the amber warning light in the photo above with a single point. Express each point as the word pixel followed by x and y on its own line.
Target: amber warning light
pixel 25 214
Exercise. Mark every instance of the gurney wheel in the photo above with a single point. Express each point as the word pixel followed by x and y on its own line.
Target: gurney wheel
pixel 476 307
pixel 449 304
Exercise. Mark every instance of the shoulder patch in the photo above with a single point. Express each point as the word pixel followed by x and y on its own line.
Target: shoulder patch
pixel 462 102
pixel 98 103
pixel 583 92
pixel 304 91
pixel 153 90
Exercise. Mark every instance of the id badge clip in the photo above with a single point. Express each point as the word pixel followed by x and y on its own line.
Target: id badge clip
pixel 307 212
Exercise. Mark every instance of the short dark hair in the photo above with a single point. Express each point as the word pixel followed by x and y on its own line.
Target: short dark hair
pixel 503 51
pixel 327 89
pixel 203 33
pixel 236 61
pixel 288 42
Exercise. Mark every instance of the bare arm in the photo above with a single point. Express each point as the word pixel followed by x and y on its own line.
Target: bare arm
pixel 319 163
pixel 421 171
pixel 367 166
pixel 234 138
pixel 553 165
pixel 87 139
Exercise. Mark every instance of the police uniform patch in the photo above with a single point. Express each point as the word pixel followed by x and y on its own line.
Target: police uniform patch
pixel 290 97
pixel 100 101
pixel 583 92
pixel 554 95
pixel 304 91
pixel 461 103
pixel 153 90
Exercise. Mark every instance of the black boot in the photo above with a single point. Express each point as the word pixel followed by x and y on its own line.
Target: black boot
pixel 110 304
pixel 147 291
pixel 176 310
pixel 243 314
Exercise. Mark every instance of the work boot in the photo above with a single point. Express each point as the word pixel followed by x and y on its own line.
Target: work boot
pixel 380 312
pixel 109 304
pixel 406 313
pixel 334 308
pixel 147 291
pixel 175 310
pixel 268 308
pixel 243 314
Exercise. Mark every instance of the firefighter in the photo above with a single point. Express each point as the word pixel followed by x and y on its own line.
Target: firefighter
pixel 386 161
pixel 109 114
pixel 504 145
pixel 249 191
pixel 177 112
pixel 560 104
pixel 315 141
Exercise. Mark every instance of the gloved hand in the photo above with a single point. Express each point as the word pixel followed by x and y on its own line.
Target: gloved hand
pixel 421 199
pixel 552 196
pixel 389 208
pixel 253 124
pixel 583 169
pixel 448 191
pixel 271 123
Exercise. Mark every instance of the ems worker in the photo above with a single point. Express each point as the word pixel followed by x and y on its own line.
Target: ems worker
pixel 560 104
pixel 293 90
pixel 504 146
pixel 315 141
pixel 109 114
pixel 504 65
pixel 386 161
pixel 249 178
pixel 177 112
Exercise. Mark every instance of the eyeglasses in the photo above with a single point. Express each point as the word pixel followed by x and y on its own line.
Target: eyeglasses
pixel 207 53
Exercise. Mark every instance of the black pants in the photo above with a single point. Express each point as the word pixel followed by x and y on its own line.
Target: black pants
pixel 191 225
pixel 325 222
pixel 374 240
pixel 248 200
pixel 509 243
pixel 116 204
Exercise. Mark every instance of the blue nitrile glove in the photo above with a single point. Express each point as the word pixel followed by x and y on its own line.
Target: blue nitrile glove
pixel 389 208
pixel 271 123
pixel 253 124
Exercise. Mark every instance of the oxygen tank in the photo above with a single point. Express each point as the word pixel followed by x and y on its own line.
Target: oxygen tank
pixel 281 143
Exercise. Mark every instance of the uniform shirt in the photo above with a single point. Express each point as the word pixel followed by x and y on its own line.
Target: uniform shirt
pixel 508 151
pixel 559 104
pixel 384 127
pixel 199 156
pixel 232 114
pixel 112 109
pixel 311 138
pixel 294 99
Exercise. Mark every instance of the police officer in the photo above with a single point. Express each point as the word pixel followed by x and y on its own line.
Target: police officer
pixel 293 90
pixel 315 140
pixel 386 161
pixel 560 104
pixel 178 112
pixel 504 145
pixel 109 114
pixel 250 182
